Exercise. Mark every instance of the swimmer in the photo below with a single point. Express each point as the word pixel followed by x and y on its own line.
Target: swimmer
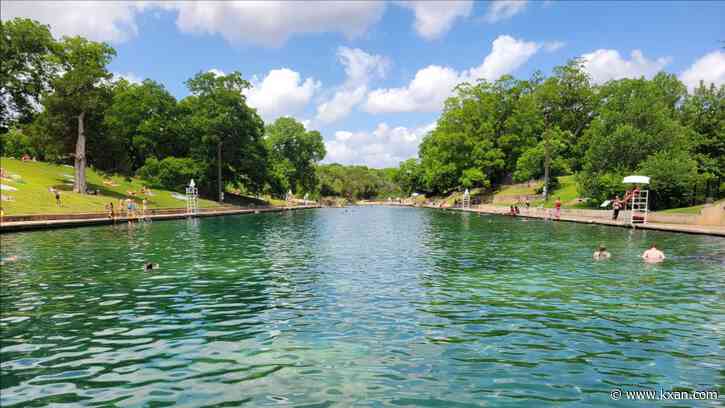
pixel 150 266
pixel 601 253
pixel 12 258
pixel 653 254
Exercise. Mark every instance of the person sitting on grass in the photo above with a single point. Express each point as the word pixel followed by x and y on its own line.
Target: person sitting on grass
pixel 653 255
pixel 601 253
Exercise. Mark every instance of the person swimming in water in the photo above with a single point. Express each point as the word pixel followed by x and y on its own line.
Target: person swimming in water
pixel 149 266
pixel 653 255
pixel 601 253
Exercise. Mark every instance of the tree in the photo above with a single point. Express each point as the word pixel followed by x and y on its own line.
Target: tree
pixel 637 118
pixel 78 93
pixel 140 120
pixel 293 154
pixel 26 51
pixel 225 134
pixel 531 163
pixel 704 112
pixel 408 176
pixel 673 174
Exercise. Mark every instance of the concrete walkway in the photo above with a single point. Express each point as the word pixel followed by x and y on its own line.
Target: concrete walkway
pixel 535 213
pixel 69 223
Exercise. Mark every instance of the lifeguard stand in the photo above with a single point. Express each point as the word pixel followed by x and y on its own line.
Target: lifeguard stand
pixel 638 204
pixel 466 200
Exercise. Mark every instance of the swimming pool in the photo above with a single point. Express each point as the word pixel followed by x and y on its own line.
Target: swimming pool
pixel 366 306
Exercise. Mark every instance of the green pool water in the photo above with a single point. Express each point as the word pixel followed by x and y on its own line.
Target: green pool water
pixel 357 307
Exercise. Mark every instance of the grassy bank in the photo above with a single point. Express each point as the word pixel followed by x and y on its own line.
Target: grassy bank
pixel 26 190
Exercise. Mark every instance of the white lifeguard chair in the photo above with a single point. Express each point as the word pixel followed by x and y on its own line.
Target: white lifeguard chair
pixel 638 204
pixel 466 200
pixel 192 198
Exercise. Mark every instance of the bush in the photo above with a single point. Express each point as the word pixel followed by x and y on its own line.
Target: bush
pixel 15 143
pixel 673 178
pixel 171 173
pixel 601 187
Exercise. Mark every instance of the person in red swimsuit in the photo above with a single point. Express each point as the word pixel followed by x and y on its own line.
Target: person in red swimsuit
pixel 557 208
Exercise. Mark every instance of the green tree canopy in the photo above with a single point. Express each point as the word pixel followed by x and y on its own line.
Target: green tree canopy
pixel 26 53
pixel 293 154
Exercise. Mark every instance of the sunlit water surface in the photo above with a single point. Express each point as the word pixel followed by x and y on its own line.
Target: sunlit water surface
pixel 357 307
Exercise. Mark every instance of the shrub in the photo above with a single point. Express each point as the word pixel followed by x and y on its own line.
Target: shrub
pixel 171 173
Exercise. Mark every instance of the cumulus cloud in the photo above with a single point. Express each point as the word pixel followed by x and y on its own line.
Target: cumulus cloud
pixel 113 21
pixel 499 10
pixel 552 46
pixel 360 68
pixel 128 76
pixel 268 22
pixel 217 72
pixel 433 84
pixel 282 92
pixel 271 23
pixel 435 18
pixel 710 69
pixel 604 65
pixel 383 147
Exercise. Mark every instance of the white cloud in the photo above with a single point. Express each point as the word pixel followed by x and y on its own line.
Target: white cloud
pixel 433 84
pixel 257 22
pixel 113 21
pixel 273 22
pixel 341 104
pixel 360 68
pixel 217 72
pixel 710 69
pixel 435 18
pixel 425 93
pixel 552 46
pixel 604 65
pixel 129 76
pixel 281 93
pixel 507 54
pixel 383 147
pixel 504 9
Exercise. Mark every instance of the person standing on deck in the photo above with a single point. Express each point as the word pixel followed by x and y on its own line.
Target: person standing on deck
pixel 616 206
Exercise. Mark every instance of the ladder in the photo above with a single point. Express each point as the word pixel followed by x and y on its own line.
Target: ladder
pixel 638 208
pixel 466 200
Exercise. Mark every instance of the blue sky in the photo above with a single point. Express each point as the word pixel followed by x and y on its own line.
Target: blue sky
pixel 372 76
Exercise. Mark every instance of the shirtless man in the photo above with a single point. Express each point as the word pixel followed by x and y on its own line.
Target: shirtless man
pixel 601 253
pixel 653 254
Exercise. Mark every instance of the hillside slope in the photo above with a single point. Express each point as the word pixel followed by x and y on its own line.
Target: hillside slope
pixel 25 190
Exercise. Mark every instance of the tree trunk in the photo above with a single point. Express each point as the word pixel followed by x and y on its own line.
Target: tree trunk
pixel 547 164
pixel 219 170
pixel 79 185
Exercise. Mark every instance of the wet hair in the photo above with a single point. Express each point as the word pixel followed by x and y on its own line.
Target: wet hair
pixel 654 245
pixel 601 248
pixel 149 266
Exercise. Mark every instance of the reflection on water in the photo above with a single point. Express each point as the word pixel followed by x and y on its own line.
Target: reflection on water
pixel 360 306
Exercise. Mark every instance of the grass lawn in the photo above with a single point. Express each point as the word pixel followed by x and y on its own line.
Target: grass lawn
pixel 566 190
pixel 520 189
pixel 687 210
pixel 31 181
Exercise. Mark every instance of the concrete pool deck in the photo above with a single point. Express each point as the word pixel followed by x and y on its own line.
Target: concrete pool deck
pixel 16 226
pixel 714 230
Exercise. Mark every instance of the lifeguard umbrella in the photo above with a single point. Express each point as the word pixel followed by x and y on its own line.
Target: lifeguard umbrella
pixel 636 180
